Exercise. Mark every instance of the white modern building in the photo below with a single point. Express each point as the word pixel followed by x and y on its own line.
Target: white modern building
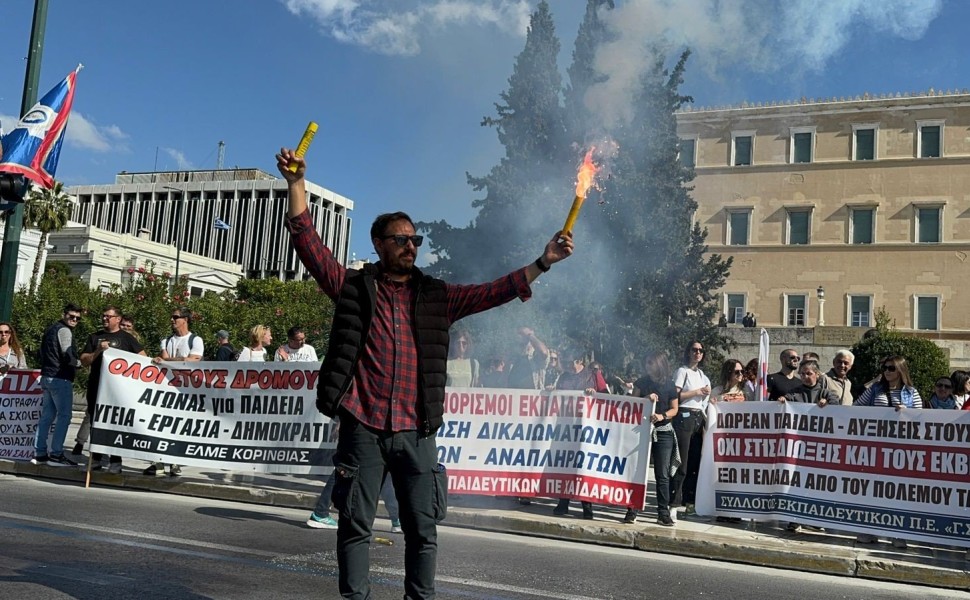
pixel 180 208
pixel 103 259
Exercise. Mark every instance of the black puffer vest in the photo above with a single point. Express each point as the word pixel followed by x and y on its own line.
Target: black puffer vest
pixel 352 318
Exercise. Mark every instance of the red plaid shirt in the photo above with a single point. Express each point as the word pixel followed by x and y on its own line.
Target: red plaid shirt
pixel 384 392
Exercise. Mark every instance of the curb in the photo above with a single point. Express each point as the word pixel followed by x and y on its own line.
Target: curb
pixel 775 552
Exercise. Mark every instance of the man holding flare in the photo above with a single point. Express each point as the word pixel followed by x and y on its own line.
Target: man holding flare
pixel 384 376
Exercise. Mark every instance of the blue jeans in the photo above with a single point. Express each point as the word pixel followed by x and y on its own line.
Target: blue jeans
pixel 363 457
pixel 388 495
pixel 662 451
pixel 58 402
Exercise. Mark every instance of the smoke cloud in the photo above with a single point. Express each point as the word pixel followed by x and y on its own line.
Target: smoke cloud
pixel 395 27
pixel 760 35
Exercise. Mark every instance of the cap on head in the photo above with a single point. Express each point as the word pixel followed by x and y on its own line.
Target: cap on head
pixel 222 334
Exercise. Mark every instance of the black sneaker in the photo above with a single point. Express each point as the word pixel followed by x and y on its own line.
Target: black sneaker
pixel 150 471
pixel 78 449
pixel 39 460
pixel 59 460
pixel 666 521
pixel 631 516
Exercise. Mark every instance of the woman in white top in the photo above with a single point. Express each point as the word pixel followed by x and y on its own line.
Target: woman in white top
pixel 259 337
pixel 462 368
pixel 11 354
pixel 693 393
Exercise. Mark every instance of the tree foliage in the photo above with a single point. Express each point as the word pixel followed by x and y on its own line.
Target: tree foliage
pixel 145 296
pixel 46 210
pixel 927 361
pixel 640 278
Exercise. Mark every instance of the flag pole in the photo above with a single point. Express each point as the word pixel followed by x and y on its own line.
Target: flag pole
pixel 14 222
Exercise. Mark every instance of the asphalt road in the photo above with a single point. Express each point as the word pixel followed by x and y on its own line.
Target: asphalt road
pixel 58 541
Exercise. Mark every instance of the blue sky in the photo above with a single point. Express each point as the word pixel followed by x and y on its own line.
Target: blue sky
pixel 399 87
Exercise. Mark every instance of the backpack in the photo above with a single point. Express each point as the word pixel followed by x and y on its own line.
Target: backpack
pixel 192 338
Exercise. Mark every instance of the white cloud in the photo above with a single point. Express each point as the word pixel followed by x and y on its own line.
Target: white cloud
pixel 83 133
pixel 762 35
pixel 395 27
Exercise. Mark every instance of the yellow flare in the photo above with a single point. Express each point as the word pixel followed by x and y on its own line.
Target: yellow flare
pixel 383 540
pixel 573 214
pixel 304 145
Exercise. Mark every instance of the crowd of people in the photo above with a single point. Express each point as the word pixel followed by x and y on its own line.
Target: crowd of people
pixel 60 360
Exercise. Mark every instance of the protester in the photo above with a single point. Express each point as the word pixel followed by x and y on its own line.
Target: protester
pixel 894 388
pixel 58 367
pixel 693 394
pixel 576 377
pixel 495 375
pixel 225 351
pixel 942 397
pixel 553 371
pixel 11 354
pixel 128 324
pixel 109 336
pixel 812 389
pixel 785 380
pixel 384 373
pixel 656 386
pixel 731 386
pixel 961 388
pixel 295 349
pixel 462 368
pixel 837 378
pixel 751 379
pixel 182 345
pixel 259 337
pixel 529 364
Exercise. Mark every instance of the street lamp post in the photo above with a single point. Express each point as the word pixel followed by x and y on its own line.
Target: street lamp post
pixel 178 242
pixel 821 306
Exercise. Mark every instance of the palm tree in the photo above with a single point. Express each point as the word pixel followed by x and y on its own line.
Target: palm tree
pixel 45 210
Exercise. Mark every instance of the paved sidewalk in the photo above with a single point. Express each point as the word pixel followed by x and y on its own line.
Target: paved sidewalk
pixel 764 544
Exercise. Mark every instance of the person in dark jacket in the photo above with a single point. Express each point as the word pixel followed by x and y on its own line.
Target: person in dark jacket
pixel 813 389
pixel 58 366
pixel 384 376
pixel 658 388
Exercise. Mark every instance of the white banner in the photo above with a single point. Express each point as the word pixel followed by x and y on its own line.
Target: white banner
pixel 236 416
pixel 21 400
pixel 511 442
pixel 863 469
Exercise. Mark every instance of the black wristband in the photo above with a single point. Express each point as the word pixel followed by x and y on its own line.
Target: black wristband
pixel 541 266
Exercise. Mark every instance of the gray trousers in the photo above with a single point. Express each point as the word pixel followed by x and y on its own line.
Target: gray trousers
pixel 363 457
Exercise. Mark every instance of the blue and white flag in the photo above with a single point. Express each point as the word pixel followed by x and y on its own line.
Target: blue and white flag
pixel 220 224
pixel 33 147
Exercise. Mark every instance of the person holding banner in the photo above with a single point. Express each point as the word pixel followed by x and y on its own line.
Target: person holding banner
pixel 384 375
pixel 182 345
pixel 731 388
pixel 11 354
pixel 812 389
pixel 111 335
pixel 656 386
pixel 296 349
pixel 893 388
pixel 693 394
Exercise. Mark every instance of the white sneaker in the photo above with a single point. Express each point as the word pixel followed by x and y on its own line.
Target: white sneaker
pixel 396 527
pixel 316 522
pixel 114 468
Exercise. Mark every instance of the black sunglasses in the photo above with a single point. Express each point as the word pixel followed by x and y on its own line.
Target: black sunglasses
pixel 890 368
pixel 944 385
pixel 402 240
pixel 700 350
